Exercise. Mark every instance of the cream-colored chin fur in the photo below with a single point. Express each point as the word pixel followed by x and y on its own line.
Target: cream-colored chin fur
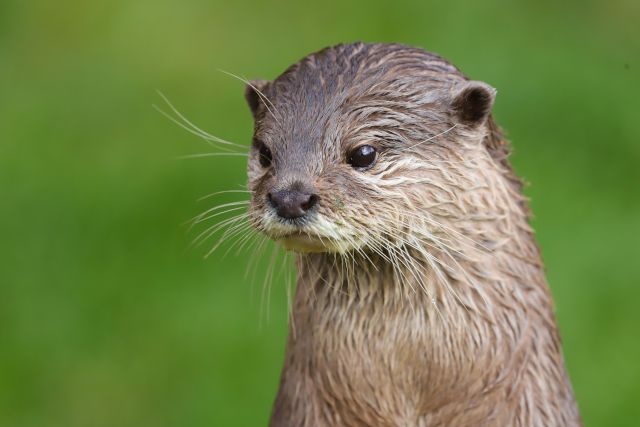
pixel 302 243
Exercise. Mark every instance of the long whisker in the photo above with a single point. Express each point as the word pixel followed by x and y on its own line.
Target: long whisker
pixel 191 127
pixel 200 155
pixel 262 96
pixel 266 287
pixel 287 278
pixel 256 252
pixel 214 215
pixel 444 132
pixel 231 232
pixel 206 234
pixel 222 192
pixel 197 219
pixel 241 239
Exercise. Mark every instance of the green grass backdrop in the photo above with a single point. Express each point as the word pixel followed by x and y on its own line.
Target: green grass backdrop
pixel 108 318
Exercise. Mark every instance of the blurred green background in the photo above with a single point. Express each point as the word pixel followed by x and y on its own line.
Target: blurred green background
pixel 109 318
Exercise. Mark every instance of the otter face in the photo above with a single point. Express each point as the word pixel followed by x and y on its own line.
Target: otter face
pixel 350 145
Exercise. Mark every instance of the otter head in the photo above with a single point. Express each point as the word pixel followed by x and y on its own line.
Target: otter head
pixel 356 144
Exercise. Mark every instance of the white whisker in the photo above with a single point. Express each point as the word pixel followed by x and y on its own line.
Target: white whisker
pixel 444 132
pixel 200 155
pixel 190 126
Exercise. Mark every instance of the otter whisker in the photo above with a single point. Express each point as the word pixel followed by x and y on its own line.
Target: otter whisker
pixel 252 268
pixel 222 192
pixel 457 233
pixel 209 141
pixel 256 248
pixel 421 281
pixel 240 239
pixel 200 155
pixel 434 241
pixel 400 261
pixel 210 231
pixel 349 273
pixel 190 127
pixel 249 240
pixel 352 266
pixel 425 235
pixel 462 270
pixel 231 232
pixel 262 96
pixel 426 217
pixel 287 276
pixel 213 228
pixel 360 251
pixel 444 132
pixel 409 262
pixel 266 287
pixel 378 250
pixel 434 238
pixel 194 222
pixel 435 264
pixel 304 259
pixel 431 259
pixel 198 217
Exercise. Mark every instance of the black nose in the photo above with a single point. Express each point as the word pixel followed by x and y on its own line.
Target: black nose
pixel 292 204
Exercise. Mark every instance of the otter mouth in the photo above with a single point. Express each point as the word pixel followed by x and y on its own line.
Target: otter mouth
pixel 306 235
pixel 303 242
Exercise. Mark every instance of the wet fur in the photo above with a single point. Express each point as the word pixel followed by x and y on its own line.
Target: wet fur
pixel 430 306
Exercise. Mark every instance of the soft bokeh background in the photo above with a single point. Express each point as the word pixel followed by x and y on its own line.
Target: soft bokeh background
pixel 109 318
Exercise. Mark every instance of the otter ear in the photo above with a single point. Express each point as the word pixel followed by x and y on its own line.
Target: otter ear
pixel 472 102
pixel 253 93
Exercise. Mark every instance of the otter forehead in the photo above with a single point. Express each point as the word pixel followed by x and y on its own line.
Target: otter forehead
pixel 337 77
pixel 346 71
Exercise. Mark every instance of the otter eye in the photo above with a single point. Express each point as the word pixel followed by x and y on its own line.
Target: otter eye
pixel 362 157
pixel 264 155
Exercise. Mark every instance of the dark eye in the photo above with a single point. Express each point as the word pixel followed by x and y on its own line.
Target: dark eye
pixel 264 155
pixel 362 157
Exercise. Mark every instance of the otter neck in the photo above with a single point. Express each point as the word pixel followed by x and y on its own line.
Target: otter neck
pixel 457 338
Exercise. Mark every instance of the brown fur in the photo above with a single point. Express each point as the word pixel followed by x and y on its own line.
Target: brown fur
pixel 429 305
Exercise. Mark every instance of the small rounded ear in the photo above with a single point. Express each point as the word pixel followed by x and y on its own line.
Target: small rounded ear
pixel 473 101
pixel 253 93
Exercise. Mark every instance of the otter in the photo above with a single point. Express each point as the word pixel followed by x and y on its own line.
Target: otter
pixel 421 297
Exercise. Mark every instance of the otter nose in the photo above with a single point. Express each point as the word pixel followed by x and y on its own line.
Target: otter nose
pixel 291 204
